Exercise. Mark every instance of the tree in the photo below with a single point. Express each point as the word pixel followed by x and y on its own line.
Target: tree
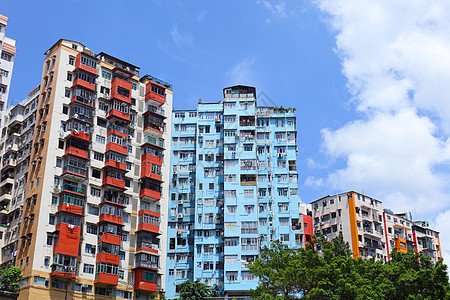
pixel 328 271
pixel 9 278
pixel 196 290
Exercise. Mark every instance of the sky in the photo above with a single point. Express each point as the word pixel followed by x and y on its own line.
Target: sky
pixel 369 79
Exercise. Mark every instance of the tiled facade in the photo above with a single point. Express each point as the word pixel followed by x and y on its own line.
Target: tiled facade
pixel 92 199
pixel 233 190
pixel 371 230
pixel 7 57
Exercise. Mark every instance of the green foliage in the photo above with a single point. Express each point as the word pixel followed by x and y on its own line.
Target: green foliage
pixel 328 271
pixel 196 290
pixel 9 278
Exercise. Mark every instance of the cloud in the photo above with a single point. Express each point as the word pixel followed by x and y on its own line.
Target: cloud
pixel 242 72
pixel 277 10
pixel 396 58
pixel 181 39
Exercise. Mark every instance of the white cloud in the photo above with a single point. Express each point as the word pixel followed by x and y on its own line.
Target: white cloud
pixel 277 10
pixel 396 58
pixel 181 39
pixel 242 72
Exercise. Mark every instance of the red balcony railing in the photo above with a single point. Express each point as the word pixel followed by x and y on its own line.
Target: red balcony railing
pixel 79 65
pixel 106 278
pixel 113 182
pixel 70 208
pixel 79 135
pixel 111 219
pixel 148 193
pixel 76 152
pixel 117 148
pixel 116 164
pixel 110 239
pixel 107 258
pixel 114 113
pixel 85 84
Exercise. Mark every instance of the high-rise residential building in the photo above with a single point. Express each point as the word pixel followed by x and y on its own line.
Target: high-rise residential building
pixel 7 55
pixel 93 145
pixel 233 190
pixel 371 230
pixel 16 138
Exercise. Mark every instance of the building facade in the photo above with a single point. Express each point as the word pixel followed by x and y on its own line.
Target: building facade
pixel 371 230
pixel 92 221
pixel 17 134
pixel 7 56
pixel 233 189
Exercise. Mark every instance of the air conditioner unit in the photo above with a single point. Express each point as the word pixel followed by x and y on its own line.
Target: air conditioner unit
pixel 237 135
pixel 280 155
pixel 180 201
pixel 180 216
pixel 84 285
pixel 175 172
pixel 200 135
pixel 56 189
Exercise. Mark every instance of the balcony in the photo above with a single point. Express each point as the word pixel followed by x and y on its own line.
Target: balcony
pixel 113 182
pixel 70 208
pixel 107 258
pixel 146 264
pixel 73 190
pixel 116 164
pixel 151 194
pixel 118 130
pixel 62 271
pixel 74 173
pixel 106 278
pixel 155 93
pixel 117 148
pixel 76 152
pixel 155 142
pixel 78 134
pixel 80 65
pixel 147 247
pixel 9 163
pixel 145 285
pixel 110 238
pixel 111 219
pixel 156 111
pixel 148 227
pixel 85 84
pixel 116 114
pixel 69 235
pixel 81 100
pixel 121 90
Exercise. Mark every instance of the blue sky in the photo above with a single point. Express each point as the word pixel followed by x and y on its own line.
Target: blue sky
pixel 369 79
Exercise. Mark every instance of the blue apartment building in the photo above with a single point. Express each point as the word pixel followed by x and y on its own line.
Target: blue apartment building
pixel 233 190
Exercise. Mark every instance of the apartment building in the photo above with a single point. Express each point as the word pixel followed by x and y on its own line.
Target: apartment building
pixel 7 55
pixel 371 230
pixel 92 220
pixel 16 137
pixel 233 189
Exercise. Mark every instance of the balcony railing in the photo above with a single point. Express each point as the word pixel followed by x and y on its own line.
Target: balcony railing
pixel 75 170
pixel 75 189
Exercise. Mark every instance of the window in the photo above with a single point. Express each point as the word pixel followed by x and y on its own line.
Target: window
pixel 98 156
pixel 89 249
pixel 71 60
pixel 51 220
pixel 231 209
pixel 100 139
pixel 106 75
pixel 230 226
pixel 91 228
pixel 88 268
pixel 249 209
pixel 49 239
pixel 6 56
pixel 67 93
pixel 65 110
pixel 93 210
pixel 95 192
pixel 58 162
pixel 285 221
pixel 101 122
pixel 96 173
pixel 283 207
pixel 248 193
pixel 232 275
pixel 69 76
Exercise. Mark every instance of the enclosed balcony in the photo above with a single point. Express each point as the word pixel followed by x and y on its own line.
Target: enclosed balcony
pixel 111 214
pixel 119 128
pixel 73 188
pixel 149 221
pixel 150 189
pixel 116 160
pixel 117 144
pixel 106 273
pixel 86 63
pixel 147 241
pixel 108 253
pixel 147 260
pixel 146 280
pixel 64 266
pixel 71 204
pixel 155 111
pixel 121 90
pixel 115 198
pixel 155 93
pixel 74 168
pixel 80 113
pixel 68 235
pixel 153 123
pixel 113 178
pixel 77 133
pixel 110 238
pixel 83 97
pixel 85 80
pixel 120 111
